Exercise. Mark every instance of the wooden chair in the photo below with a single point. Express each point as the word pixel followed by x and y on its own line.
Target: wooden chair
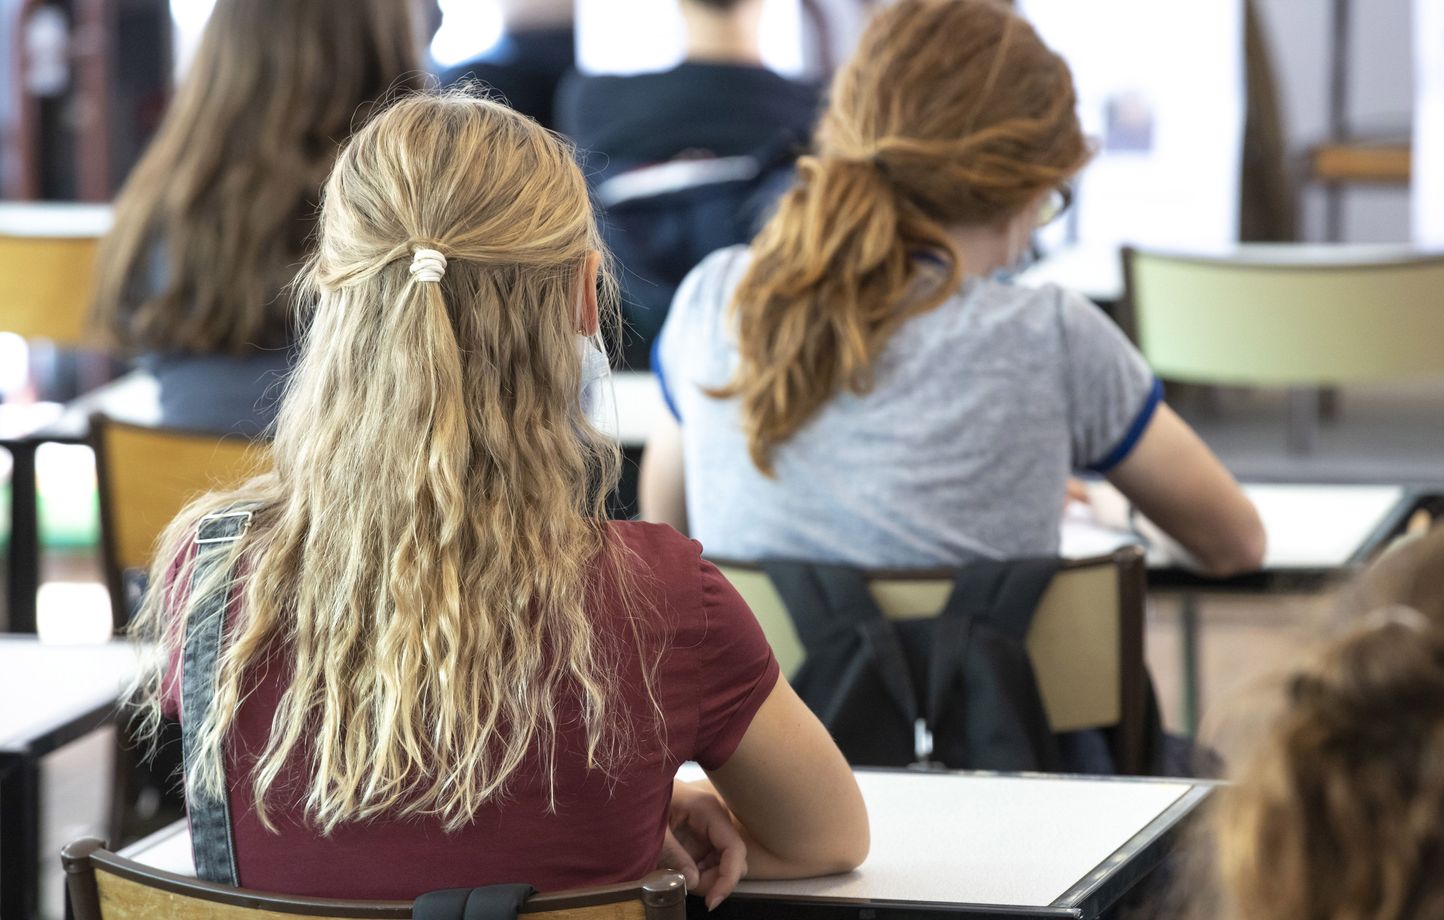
pixel 145 476
pixel 1301 317
pixel 104 886
pixel 1086 642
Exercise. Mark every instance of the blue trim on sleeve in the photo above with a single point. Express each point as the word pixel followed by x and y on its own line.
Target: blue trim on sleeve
pixel 662 378
pixel 1135 431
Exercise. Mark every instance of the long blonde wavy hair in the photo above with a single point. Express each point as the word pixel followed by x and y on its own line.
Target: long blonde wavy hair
pixel 423 550
pixel 212 223
pixel 951 112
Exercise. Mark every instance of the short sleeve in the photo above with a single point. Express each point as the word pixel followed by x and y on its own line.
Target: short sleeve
pixel 736 670
pixel 1112 393
pixel 688 339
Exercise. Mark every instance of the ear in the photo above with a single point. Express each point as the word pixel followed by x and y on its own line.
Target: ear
pixel 587 320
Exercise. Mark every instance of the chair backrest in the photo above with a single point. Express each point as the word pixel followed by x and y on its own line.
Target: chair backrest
pixel 1287 316
pixel 145 477
pixel 1086 641
pixel 46 284
pixel 104 886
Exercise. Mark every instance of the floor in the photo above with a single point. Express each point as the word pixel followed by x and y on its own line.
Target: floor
pixel 1386 434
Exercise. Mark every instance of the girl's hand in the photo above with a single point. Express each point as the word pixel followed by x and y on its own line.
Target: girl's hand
pixel 703 844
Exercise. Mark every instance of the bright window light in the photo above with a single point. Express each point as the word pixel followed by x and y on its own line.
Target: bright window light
pixel 638 36
pixel 469 28
pixel 190 18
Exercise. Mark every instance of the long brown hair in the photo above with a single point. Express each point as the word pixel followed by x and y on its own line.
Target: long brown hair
pixel 1339 814
pixel 951 112
pixel 424 549
pixel 212 224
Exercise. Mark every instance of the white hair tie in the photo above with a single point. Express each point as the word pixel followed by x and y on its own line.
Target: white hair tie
pixel 428 265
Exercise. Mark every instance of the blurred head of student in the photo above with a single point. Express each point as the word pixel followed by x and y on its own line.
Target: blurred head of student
pixel 1339 813
pixel 212 223
pixel 945 137
pixel 424 542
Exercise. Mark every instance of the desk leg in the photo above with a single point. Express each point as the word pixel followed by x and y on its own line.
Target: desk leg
pixel 1189 630
pixel 24 561
pixel 19 838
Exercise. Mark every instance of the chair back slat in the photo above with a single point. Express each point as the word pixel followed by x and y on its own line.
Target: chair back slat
pixel 1257 321
pixel 105 886
pixel 1085 640
pixel 46 284
pixel 146 476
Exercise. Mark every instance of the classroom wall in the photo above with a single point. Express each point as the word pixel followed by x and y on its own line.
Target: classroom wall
pixel 1381 89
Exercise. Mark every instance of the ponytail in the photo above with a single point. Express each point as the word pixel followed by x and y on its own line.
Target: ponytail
pixel 950 113
pixel 825 291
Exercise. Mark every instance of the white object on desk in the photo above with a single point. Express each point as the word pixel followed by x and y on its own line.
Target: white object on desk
pixel 939 837
pixel 55 219
pixel 1309 527
pixel 1094 271
pixel 44 684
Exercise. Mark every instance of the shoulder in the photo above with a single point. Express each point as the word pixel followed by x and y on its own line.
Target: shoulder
pixel 664 573
pixel 705 294
pixel 657 547
pixel 710 284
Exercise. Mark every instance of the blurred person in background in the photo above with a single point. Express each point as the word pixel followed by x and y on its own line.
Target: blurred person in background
pixel 526 67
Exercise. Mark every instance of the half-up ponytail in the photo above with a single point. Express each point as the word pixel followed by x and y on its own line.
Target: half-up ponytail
pixel 425 546
pixel 951 113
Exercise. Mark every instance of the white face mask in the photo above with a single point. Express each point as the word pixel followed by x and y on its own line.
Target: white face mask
pixel 596 373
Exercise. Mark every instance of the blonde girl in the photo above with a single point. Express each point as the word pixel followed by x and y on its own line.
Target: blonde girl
pixel 442 665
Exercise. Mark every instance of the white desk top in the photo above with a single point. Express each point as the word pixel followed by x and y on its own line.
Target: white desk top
pixel 953 838
pixel 1309 527
pixel 44 686
pixel 976 839
pixel 62 219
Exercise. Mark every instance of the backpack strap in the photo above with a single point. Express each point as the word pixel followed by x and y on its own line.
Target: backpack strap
pixel 1000 599
pixel 826 600
pixel 492 902
pixel 212 842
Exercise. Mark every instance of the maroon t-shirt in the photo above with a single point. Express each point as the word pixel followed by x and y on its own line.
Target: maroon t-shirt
pixel 715 671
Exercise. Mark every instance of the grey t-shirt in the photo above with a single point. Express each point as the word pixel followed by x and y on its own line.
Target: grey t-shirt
pixel 980 411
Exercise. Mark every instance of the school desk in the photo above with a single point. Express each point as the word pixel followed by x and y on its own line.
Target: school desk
pixel 1316 533
pixel 50 695
pixel 970 845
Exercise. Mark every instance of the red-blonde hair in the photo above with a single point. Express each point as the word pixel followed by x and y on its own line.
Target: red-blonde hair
pixel 952 112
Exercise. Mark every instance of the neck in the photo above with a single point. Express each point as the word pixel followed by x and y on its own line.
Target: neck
pixel 985 249
pixel 527 15
pixel 724 38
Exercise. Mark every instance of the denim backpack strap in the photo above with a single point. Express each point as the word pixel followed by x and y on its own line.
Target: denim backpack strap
pixel 210 818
